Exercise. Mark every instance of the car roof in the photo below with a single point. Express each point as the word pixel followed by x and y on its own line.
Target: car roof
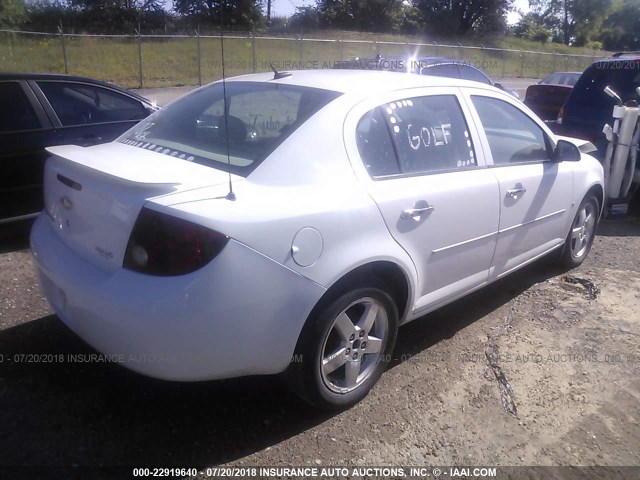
pixel 358 81
pixel 429 60
pixel 435 60
pixel 410 64
pixel 564 73
pixel 634 53
pixel 69 78
pixel 625 57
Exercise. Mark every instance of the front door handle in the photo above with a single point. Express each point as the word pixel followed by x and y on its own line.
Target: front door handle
pixel 515 192
pixel 417 211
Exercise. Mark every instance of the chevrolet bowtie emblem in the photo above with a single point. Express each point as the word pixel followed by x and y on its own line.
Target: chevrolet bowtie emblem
pixel 66 203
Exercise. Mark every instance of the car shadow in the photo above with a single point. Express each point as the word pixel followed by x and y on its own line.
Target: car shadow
pixel 626 226
pixel 60 407
pixel 15 236
pixel 421 334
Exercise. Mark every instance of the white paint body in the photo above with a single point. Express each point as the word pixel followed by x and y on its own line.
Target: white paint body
pixel 306 217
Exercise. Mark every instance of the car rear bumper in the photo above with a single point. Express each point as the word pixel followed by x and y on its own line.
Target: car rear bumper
pixel 239 315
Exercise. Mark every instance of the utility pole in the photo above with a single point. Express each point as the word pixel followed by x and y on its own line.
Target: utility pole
pixel 268 11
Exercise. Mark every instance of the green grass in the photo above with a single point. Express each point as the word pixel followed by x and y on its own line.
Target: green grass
pixel 174 61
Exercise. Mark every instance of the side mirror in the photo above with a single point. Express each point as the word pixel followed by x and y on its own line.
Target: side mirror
pixel 566 152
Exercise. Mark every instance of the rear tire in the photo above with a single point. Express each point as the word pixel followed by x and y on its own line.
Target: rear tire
pixel 344 347
pixel 581 234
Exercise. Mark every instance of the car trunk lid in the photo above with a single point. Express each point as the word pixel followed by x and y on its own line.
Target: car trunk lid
pixel 93 195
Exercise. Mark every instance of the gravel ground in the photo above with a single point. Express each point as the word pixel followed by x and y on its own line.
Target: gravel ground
pixel 572 361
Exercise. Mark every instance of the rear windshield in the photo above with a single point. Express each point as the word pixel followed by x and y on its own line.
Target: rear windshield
pixel 235 135
pixel 622 76
pixel 561 78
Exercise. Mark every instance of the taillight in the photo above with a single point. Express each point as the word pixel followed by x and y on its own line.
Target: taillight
pixel 161 244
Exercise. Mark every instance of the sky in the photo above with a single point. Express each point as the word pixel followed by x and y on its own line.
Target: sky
pixel 285 8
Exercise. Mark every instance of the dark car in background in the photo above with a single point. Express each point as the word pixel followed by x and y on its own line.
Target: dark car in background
pixel 588 108
pixel 437 66
pixel 42 110
pixel 546 97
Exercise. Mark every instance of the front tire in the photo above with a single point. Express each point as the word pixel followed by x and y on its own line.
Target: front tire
pixel 581 234
pixel 344 348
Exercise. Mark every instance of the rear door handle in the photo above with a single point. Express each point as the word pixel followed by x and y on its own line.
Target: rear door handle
pixel 514 192
pixel 417 212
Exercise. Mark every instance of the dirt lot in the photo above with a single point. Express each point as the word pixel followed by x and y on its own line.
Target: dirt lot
pixel 572 362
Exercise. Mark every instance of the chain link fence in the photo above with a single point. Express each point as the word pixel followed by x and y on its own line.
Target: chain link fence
pixel 176 60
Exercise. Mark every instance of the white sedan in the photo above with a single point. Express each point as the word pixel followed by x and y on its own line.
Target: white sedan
pixel 289 223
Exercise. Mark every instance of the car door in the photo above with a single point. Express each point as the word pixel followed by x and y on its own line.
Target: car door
pixel 86 114
pixel 24 132
pixel 438 200
pixel 535 192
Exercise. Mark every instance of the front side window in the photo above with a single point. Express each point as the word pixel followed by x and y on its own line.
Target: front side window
pixel 513 137
pixel 415 135
pixel 80 104
pixel 233 135
pixel 17 112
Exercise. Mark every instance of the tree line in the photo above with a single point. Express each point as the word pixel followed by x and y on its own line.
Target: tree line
pixel 609 24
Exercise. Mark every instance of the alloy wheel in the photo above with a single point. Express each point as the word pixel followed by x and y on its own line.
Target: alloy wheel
pixel 353 345
pixel 583 230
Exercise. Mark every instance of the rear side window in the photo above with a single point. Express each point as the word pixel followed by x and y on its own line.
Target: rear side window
pixel 561 79
pixel 235 135
pixel 80 104
pixel 571 79
pixel 375 146
pixel 17 112
pixel 513 137
pixel 445 70
pixel 553 79
pixel 468 72
pixel 415 135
